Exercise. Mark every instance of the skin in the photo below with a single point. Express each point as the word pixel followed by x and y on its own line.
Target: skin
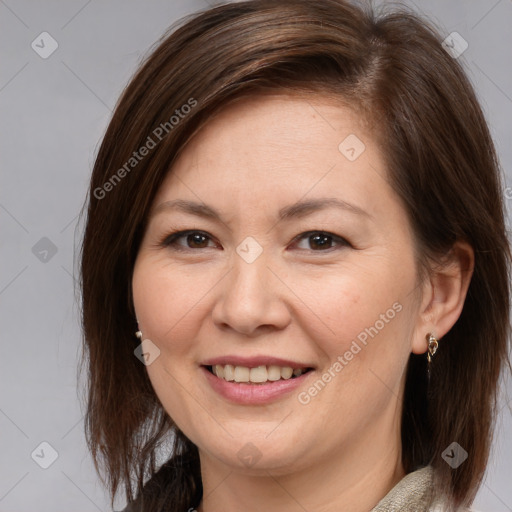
pixel 298 300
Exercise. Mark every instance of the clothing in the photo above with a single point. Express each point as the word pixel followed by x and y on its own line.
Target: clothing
pixel 409 495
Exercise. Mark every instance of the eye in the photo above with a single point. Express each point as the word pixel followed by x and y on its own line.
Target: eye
pixel 321 241
pixel 318 241
pixel 193 240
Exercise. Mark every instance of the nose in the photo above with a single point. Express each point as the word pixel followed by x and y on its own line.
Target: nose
pixel 252 300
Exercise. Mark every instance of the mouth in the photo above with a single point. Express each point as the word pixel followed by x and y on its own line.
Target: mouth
pixel 262 374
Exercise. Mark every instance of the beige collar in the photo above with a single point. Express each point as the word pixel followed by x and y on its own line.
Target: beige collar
pixel 411 494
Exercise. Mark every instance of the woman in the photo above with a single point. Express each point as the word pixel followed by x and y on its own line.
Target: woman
pixel 295 269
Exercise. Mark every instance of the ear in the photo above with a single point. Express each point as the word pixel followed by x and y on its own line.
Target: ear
pixel 444 293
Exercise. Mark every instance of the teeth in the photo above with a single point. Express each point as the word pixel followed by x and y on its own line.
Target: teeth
pixel 273 373
pixel 229 372
pixel 257 375
pixel 219 371
pixel 286 372
pixel 241 374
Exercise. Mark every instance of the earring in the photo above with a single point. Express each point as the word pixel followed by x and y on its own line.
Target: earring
pixel 139 335
pixel 432 346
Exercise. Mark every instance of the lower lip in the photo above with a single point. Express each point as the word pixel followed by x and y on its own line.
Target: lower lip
pixel 248 393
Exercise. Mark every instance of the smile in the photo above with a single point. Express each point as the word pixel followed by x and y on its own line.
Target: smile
pixel 254 385
pixel 258 375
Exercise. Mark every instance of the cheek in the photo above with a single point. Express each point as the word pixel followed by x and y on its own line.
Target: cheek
pixel 369 314
pixel 355 304
pixel 167 300
pixel 168 303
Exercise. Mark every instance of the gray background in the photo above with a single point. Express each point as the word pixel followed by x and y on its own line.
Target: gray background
pixel 54 112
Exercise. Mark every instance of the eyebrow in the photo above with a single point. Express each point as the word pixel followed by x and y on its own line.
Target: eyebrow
pixel 296 210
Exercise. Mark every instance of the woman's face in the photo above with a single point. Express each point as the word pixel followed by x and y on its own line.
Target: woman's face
pixel 298 255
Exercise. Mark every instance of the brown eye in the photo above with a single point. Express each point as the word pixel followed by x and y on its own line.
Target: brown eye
pixel 193 240
pixel 196 240
pixel 321 241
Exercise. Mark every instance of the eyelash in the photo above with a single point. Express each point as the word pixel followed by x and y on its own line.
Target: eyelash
pixel 170 241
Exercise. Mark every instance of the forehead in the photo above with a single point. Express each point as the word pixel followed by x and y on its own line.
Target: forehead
pixel 267 121
pixel 287 140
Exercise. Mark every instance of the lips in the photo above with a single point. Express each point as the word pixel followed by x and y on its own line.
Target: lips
pixel 254 380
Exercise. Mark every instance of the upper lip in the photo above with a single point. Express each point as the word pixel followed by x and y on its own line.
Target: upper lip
pixel 254 361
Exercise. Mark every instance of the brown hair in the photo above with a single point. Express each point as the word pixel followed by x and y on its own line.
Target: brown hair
pixel 440 158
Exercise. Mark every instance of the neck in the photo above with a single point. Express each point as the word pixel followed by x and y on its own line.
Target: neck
pixel 354 478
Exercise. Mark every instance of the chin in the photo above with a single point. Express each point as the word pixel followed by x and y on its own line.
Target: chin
pixel 256 455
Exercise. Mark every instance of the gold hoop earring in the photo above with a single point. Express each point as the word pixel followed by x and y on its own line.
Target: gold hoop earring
pixel 432 346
